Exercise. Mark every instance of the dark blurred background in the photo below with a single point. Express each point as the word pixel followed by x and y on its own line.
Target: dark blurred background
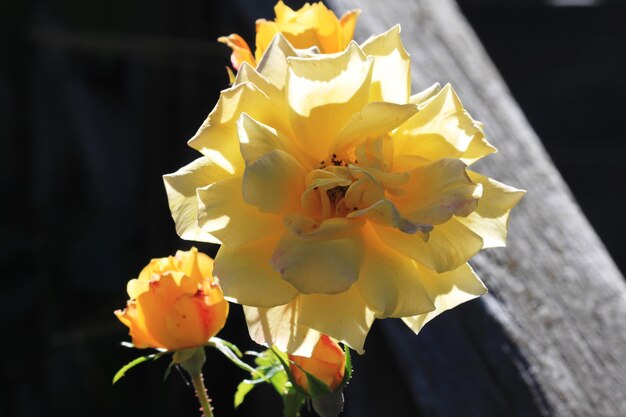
pixel 97 100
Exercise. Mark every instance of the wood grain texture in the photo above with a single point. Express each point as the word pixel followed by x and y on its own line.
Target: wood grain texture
pixel 550 337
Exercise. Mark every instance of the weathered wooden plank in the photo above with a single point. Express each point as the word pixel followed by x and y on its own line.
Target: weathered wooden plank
pixel 550 338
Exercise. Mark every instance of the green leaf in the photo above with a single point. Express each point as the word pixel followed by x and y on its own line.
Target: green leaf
pixel 119 374
pixel 243 389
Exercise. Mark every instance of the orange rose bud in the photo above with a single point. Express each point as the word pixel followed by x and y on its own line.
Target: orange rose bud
pixel 175 303
pixel 327 363
pixel 313 25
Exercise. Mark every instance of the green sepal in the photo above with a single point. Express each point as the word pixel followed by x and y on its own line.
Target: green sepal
pixel 330 405
pixel 119 374
pixel 284 360
pixel 232 353
pixel 191 360
pixel 348 370
pixel 292 403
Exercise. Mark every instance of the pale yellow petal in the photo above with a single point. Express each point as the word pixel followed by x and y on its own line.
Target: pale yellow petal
pixel 319 266
pixel 344 316
pixel 436 192
pixel 491 217
pixel 373 120
pixel 441 129
pixel 217 137
pixel 448 290
pixel 257 139
pixel 224 214
pixel 448 246
pixel 278 326
pixel 422 97
pixel 247 277
pixel 390 282
pixel 477 149
pixel 274 183
pixel 181 194
pixel 323 94
pixel 273 64
pixel 391 78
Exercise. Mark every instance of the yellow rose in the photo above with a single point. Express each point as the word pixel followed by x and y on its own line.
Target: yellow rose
pixel 327 363
pixel 313 25
pixel 337 196
pixel 175 303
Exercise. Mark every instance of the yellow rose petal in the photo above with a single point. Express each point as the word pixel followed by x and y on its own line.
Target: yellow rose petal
pixel 391 78
pixel 278 326
pixel 218 133
pixel 225 215
pixel 441 129
pixel 343 316
pixel 247 277
pixel 273 64
pixel 436 192
pixel 448 245
pixel 181 192
pixel 348 24
pixel 373 120
pixel 491 217
pixel 448 290
pixel 319 266
pixel 391 283
pixel 324 97
pixel 274 183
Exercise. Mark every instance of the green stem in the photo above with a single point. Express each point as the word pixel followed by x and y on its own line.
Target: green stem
pixel 205 401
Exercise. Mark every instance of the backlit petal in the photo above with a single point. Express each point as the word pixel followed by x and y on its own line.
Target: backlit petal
pixel 448 246
pixel 344 316
pixel 448 290
pixel 273 64
pixel 225 215
pixel 491 217
pixel 348 23
pixel 279 326
pixel 181 193
pixel 390 282
pixel 324 93
pixel 217 137
pixel 391 78
pixel 373 120
pixel 441 129
pixel 247 277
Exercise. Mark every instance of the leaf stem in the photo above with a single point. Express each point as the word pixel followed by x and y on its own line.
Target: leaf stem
pixel 205 401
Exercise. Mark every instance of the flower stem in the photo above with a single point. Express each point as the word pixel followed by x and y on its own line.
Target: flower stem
pixel 205 401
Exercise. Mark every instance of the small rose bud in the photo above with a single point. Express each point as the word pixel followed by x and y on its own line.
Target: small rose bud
pixel 175 303
pixel 327 363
